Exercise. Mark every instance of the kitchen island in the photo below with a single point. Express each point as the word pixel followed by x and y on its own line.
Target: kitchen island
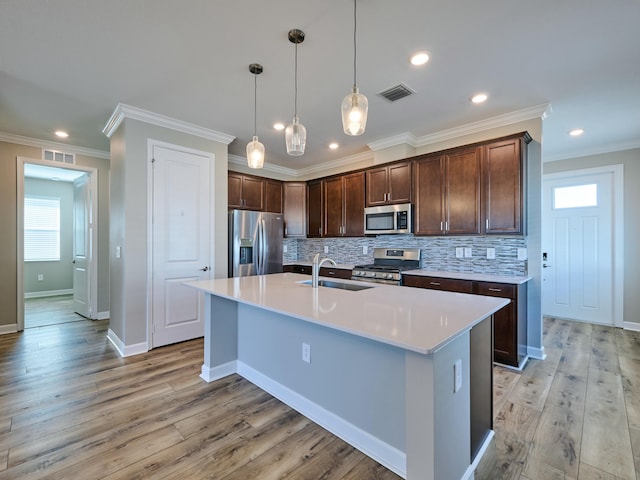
pixel 377 366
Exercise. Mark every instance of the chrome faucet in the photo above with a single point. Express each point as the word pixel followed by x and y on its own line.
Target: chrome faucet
pixel 315 268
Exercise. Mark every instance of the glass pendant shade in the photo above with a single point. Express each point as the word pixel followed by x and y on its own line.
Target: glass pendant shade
pixel 296 137
pixel 354 113
pixel 255 153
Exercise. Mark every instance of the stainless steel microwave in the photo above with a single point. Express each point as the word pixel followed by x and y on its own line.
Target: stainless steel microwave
pixel 388 219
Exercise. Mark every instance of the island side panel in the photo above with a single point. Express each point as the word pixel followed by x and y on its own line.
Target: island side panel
pixel 220 338
pixel 438 425
pixel 350 382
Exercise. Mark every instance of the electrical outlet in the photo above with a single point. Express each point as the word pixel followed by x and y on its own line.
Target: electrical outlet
pixel 491 253
pixel 117 252
pixel 40 277
pixel 306 353
pixel 459 252
pixel 457 375
pixel 365 249
pixel 522 254
pixel 467 252
pixel 326 249
pixel 284 249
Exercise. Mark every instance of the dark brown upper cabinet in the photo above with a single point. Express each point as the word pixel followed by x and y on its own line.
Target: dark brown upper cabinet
pixel 273 196
pixel 389 184
pixel 344 205
pixel 295 211
pixel 245 191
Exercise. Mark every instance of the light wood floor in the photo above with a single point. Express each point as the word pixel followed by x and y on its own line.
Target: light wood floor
pixel 71 408
pixel 43 311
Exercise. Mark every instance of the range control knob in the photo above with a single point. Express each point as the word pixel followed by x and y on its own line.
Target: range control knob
pixel 389 275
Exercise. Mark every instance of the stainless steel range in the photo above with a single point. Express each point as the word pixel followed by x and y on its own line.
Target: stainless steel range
pixel 388 263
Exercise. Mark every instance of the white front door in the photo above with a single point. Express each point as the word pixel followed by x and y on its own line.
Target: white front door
pixel 577 246
pixel 82 232
pixel 181 216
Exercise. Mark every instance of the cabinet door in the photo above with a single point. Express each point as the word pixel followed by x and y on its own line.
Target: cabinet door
pixel 333 207
pixel 462 192
pixel 502 168
pixel 429 192
pixel 315 209
pixel 353 225
pixel 234 190
pixel 272 196
pixel 377 186
pixel 295 213
pixel 400 183
pixel 505 332
pixel 253 193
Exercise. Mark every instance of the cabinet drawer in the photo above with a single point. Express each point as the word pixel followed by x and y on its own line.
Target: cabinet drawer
pixel 437 283
pixel 503 290
pixel 335 272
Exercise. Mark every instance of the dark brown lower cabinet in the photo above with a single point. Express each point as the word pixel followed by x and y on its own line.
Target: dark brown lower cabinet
pixel 334 272
pixel 509 323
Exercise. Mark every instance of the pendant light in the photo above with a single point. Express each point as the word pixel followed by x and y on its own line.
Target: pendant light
pixel 295 133
pixel 255 149
pixel 354 105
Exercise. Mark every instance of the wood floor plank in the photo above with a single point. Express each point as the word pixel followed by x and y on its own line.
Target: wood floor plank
pixel 606 442
pixel 587 472
pixel 635 445
pixel 628 343
pixel 576 355
pixel 558 437
pixel 504 381
pixel 536 379
pixel 556 332
pixel 630 372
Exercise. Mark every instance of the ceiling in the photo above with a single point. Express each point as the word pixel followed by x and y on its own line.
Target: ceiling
pixel 66 64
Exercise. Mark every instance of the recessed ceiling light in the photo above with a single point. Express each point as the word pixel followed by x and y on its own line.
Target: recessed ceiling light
pixel 278 126
pixel 419 58
pixel 62 134
pixel 333 145
pixel 479 98
pixel 576 132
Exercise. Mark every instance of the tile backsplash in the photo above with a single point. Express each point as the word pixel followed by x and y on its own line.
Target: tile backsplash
pixel 436 253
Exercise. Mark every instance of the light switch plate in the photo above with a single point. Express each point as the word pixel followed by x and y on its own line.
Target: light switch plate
pixel 326 249
pixel 365 249
pixel 284 249
pixel 457 374
pixel 491 253
pixel 467 252
pixel 459 252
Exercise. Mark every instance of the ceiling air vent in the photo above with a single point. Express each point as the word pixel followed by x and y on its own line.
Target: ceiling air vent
pixel 396 92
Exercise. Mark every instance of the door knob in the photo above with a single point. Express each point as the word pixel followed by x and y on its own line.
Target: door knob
pixel 204 269
pixel 544 265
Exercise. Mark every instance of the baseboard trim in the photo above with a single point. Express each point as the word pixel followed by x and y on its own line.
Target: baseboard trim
pixel 537 353
pixel 11 328
pixel 126 350
pixel 470 473
pixel 48 293
pixel 221 371
pixel 104 315
pixel 385 454
pixel 631 326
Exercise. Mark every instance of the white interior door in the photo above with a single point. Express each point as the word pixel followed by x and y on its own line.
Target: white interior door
pixel 82 233
pixel 578 230
pixel 181 216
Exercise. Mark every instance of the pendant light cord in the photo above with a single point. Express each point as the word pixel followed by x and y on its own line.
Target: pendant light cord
pixel 255 103
pixel 355 51
pixel 295 98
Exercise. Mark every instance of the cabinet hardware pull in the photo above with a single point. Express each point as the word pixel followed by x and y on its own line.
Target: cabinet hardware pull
pixel 487 224
pixel 437 284
pixel 330 272
pixel 495 289
pixel 441 229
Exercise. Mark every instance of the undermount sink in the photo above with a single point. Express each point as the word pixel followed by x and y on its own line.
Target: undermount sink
pixel 340 285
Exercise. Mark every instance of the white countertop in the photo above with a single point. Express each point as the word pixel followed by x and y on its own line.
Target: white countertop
pixel 480 277
pixel 419 320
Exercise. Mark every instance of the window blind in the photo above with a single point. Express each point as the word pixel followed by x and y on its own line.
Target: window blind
pixel 41 229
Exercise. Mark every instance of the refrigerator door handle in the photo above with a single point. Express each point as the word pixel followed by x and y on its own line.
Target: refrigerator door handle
pixel 263 247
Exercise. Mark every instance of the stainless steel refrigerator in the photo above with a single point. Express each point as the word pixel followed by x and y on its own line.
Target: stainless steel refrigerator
pixel 255 243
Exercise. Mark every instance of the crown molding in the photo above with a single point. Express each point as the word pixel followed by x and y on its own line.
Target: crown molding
pixel 400 139
pixel 537 111
pixel 309 171
pixel 599 150
pixel 268 167
pixel 123 111
pixel 65 147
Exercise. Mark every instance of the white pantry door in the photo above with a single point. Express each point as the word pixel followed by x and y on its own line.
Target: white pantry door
pixel 82 232
pixel 577 240
pixel 181 216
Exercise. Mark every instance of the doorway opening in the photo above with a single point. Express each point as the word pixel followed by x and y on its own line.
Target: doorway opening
pixel 57 243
